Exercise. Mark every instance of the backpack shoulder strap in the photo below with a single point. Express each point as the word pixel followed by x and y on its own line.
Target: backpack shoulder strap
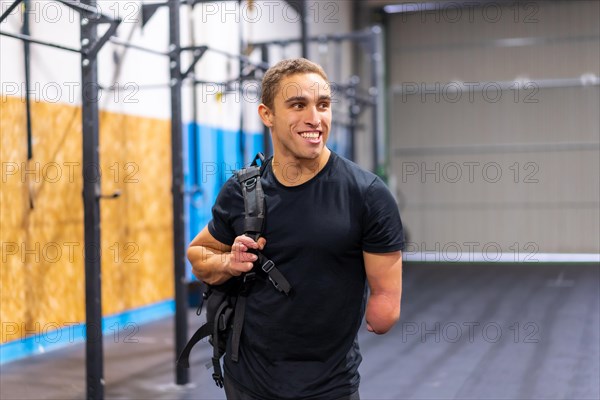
pixel 229 300
pixel 254 198
pixel 254 216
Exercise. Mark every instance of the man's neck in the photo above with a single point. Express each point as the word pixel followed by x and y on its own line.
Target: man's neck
pixel 294 172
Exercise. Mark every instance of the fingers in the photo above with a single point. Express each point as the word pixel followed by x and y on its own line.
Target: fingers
pixel 261 243
pixel 246 241
pixel 241 259
pixel 244 256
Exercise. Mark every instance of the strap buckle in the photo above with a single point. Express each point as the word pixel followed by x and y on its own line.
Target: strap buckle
pixel 268 266
pixel 218 380
pixel 275 284
pixel 247 283
pixel 249 276
pixel 250 183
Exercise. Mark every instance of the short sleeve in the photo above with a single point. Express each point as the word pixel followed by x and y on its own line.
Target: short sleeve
pixel 382 227
pixel 221 224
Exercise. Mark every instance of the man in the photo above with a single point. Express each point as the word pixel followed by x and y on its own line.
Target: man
pixel 329 225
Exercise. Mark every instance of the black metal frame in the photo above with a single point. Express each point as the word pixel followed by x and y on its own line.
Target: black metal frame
pixel 181 323
pixel 91 194
pixel 27 59
pixel 90 15
pixel 90 46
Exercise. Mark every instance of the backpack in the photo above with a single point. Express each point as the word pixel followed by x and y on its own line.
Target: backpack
pixel 226 303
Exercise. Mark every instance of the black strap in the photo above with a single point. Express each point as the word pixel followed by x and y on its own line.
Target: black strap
pixel 202 332
pixel 253 224
pixel 217 371
pixel 259 156
pixel 220 323
pixel 254 215
pixel 254 199
pixel 238 324
pixel 275 276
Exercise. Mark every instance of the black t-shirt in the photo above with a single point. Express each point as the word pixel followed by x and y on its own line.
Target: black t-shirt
pixel 304 346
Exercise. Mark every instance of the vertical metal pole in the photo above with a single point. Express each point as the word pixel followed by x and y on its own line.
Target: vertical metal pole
pixel 266 131
pixel 27 58
pixel 242 44
pixel 377 94
pixel 353 112
pixel 195 139
pixel 26 46
pixel 91 205
pixel 182 376
pixel 304 27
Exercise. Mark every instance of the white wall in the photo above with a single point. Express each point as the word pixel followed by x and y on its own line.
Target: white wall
pixel 56 74
pixel 513 168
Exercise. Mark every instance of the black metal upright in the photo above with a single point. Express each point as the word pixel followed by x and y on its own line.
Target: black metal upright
pixel 181 301
pixel 26 52
pixel 264 49
pixel 304 27
pixel 91 203
pixel 377 93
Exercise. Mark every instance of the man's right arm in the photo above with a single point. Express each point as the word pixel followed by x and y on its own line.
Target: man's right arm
pixel 214 262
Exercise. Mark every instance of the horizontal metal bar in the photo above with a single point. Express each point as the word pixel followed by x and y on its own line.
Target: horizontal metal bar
pixel 119 42
pixel 501 42
pixel 226 88
pixel 36 41
pixel 134 86
pixel 353 36
pixel 412 88
pixel 261 65
pixel 497 148
pixel 87 11
pixel 467 205
pixel 415 7
pixel 203 82
pixel 221 83
pixel 506 257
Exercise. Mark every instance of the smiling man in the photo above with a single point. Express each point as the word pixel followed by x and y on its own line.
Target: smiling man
pixel 331 228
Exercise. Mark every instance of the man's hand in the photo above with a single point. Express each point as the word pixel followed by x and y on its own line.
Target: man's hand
pixel 215 263
pixel 240 259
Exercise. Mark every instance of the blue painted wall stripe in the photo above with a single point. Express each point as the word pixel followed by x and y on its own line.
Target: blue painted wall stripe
pixel 53 336
pixel 217 154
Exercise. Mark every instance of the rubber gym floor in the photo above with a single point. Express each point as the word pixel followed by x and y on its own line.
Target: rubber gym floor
pixel 491 331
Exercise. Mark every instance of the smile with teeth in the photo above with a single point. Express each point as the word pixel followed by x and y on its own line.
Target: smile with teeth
pixel 310 135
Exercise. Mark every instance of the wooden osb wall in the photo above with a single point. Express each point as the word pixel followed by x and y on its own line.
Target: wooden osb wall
pixel 41 207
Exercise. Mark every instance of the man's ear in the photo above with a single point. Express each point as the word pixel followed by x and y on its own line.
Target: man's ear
pixel 265 115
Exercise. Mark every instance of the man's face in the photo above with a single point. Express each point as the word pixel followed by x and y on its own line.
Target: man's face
pixel 301 118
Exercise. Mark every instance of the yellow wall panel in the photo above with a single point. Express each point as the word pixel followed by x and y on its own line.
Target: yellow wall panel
pixel 43 274
pixel 13 206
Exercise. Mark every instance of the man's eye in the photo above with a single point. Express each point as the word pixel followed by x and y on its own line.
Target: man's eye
pixel 324 105
pixel 297 105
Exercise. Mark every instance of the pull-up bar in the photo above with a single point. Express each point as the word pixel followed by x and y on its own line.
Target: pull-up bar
pixel 246 60
pixel 119 42
pixel 27 38
pixel 364 35
pixel 88 50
